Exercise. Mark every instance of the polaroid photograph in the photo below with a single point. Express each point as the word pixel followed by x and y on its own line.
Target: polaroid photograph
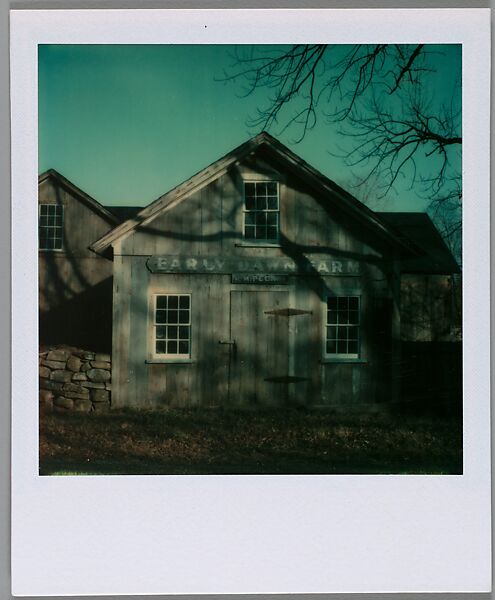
pixel 251 301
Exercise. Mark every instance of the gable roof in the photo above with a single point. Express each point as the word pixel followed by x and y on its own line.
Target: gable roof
pixel 434 255
pixel 275 149
pixel 90 202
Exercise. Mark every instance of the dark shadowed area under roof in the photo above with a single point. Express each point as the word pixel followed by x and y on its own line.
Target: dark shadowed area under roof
pixel 124 212
pixel 435 258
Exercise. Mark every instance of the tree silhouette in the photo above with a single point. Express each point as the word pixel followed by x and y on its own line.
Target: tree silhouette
pixel 391 124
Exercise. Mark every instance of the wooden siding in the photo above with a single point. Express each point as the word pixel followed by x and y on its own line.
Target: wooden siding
pixel 276 360
pixel 74 269
pixel 75 289
pixel 209 223
pixel 82 225
pixel 267 347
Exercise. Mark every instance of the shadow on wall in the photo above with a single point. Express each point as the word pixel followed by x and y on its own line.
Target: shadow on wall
pixel 84 321
pixel 431 375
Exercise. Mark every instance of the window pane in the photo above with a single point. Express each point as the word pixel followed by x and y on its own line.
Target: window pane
pixel 261 188
pixel 332 302
pixel 272 203
pixel 260 203
pixel 161 333
pixel 170 338
pixel 161 301
pixel 161 347
pixel 342 331
pixel 250 202
pixel 353 333
pixel 260 218
pixel 353 317
pixel 249 232
pixel 161 316
pixel 271 188
pixel 261 210
pixel 352 347
pixel 250 218
pixel 353 303
pixel 249 189
pixel 331 347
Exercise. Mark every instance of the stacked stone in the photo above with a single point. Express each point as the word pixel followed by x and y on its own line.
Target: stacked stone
pixel 73 379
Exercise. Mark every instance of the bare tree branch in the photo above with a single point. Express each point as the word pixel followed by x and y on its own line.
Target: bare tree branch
pixel 375 92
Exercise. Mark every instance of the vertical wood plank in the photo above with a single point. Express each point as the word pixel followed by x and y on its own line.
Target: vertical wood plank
pixel 138 334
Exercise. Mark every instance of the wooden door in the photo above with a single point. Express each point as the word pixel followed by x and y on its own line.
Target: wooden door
pixel 259 353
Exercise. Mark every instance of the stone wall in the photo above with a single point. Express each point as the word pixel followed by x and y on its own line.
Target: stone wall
pixel 74 379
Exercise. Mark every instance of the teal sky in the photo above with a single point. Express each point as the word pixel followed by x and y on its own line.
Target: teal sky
pixel 128 123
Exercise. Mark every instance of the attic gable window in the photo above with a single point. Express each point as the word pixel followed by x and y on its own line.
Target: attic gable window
pixel 51 221
pixel 261 211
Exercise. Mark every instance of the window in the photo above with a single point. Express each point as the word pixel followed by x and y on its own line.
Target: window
pixel 342 326
pixel 172 326
pixel 50 226
pixel 261 211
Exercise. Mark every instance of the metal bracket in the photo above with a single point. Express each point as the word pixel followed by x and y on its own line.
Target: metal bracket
pixel 288 312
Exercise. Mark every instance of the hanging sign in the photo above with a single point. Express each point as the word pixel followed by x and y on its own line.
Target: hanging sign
pixel 232 264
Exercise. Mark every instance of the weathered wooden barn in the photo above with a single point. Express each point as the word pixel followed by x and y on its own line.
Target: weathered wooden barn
pixel 75 284
pixel 257 282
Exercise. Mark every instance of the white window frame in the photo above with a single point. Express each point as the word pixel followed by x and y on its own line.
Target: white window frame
pixel 343 356
pixel 169 357
pixel 260 241
pixel 59 227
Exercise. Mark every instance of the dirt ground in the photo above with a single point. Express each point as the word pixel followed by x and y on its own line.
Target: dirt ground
pixel 228 442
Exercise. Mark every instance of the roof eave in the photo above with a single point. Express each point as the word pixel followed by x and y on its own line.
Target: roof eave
pixel 177 194
pixel 86 198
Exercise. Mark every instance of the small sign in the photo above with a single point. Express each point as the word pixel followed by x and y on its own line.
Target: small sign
pixel 260 278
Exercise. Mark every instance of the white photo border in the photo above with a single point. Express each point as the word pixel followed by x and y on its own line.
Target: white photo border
pixel 251 534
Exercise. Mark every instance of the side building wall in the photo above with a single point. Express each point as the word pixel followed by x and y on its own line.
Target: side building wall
pixel 75 285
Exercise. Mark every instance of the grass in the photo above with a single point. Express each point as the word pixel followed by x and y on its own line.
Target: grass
pixel 233 442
